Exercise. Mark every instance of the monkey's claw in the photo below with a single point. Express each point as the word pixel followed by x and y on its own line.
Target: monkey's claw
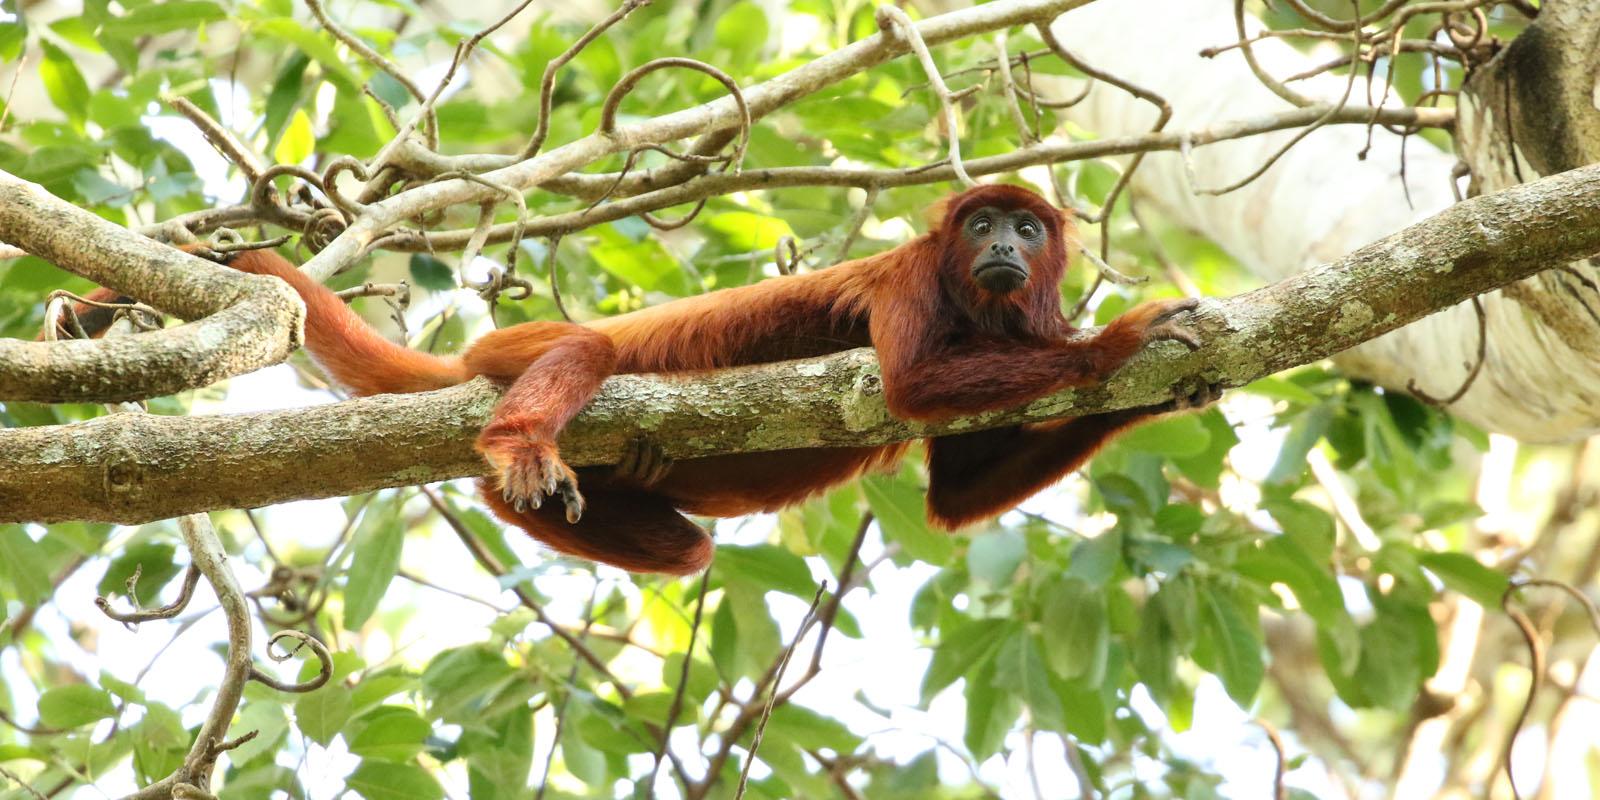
pixel 530 471
pixel 643 463
pixel 1166 327
pixel 1188 396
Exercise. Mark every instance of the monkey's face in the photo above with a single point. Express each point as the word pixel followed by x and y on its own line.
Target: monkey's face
pixel 1003 243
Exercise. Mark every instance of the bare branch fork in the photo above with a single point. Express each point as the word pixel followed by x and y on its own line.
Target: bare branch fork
pixel 135 468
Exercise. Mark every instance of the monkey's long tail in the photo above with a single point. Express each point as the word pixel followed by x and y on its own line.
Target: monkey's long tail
pixel 346 346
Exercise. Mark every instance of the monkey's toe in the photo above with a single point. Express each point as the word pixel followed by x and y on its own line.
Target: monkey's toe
pixel 530 471
pixel 1193 397
pixel 1172 308
pixel 1171 331
pixel 572 499
pixel 643 463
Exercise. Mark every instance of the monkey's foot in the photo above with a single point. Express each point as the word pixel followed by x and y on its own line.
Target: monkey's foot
pixel 1164 325
pixel 1192 396
pixel 643 463
pixel 530 471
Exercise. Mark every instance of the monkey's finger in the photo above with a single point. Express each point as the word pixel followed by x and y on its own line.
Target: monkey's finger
pixel 1175 333
pixel 1177 307
pixel 629 465
pixel 661 469
pixel 573 500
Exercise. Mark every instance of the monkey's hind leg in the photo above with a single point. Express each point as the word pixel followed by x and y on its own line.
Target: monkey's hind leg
pixel 635 530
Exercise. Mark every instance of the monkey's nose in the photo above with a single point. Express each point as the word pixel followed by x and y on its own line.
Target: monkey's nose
pixel 1001 249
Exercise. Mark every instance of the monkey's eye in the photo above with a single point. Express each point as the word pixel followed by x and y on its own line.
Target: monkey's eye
pixel 1028 229
pixel 982 226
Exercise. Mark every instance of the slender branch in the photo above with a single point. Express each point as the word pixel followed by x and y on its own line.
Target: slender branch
pixel 1048 151
pixel 716 115
pixel 248 322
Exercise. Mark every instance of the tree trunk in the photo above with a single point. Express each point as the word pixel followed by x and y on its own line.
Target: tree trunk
pixel 1541 377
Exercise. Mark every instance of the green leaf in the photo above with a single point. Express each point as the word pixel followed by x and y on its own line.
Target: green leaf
pixel 1449 512
pixel 377 780
pixel 1096 560
pixel 12 37
pixel 645 263
pixel 991 711
pixel 1399 649
pixel 377 547
pixel 499 757
pixel 320 714
pixel 379 686
pixel 813 731
pixel 24 564
pixel 160 743
pixel 742 30
pixel 1179 521
pixel 72 706
pixel 64 83
pixel 962 650
pixel 1237 652
pixel 748 231
pixel 1468 576
pixel 1280 389
pixel 1205 469
pixel 457 683
pixel 1180 436
pixel 898 507
pixel 271 724
pixel 1077 633
pixel 298 140
pixel 389 733
pixel 767 568
pixel 168 15
pixel 1304 433
pixel 313 44
pixel 1308 525
pixel 1019 667
pixel 431 273
pixel 994 557
pixel 121 688
pixel 285 95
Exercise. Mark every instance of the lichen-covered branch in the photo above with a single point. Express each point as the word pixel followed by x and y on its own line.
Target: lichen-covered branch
pixel 245 322
pixel 132 468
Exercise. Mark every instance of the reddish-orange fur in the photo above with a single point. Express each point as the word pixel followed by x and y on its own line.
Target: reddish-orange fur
pixel 947 346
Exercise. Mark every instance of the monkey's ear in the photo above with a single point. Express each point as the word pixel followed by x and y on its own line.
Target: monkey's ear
pixel 934 213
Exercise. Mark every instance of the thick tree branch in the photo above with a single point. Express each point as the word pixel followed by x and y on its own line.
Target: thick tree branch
pixel 248 323
pixel 132 468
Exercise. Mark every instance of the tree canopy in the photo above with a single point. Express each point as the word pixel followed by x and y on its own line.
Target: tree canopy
pixel 221 577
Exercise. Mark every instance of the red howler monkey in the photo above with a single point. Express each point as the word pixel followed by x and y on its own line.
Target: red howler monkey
pixel 965 318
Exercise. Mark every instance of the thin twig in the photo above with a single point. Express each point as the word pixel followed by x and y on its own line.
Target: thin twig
pixel 1473 368
pixel 894 22
pixel 12 776
pixel 1280 791
pixel 772 698
pixel 683 682
pixel 320 650
pixel 191 578
pixel 547 83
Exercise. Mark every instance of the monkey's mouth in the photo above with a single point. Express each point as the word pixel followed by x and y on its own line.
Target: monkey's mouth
pixel 1000 276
